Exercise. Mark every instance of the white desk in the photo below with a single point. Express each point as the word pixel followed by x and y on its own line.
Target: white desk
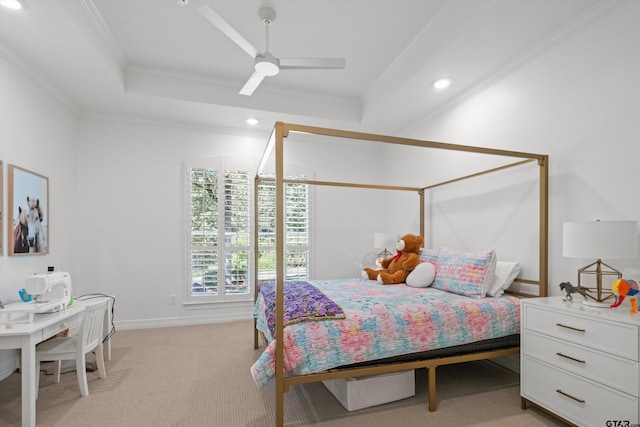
pixel 25 336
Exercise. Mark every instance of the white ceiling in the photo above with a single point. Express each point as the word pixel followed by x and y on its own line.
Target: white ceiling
pixel 161 61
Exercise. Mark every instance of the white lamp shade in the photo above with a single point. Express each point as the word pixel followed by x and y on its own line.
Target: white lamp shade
pixel 600 239
pixel 384 240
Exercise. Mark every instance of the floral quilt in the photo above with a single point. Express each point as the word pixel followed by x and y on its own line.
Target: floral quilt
pixel 383 321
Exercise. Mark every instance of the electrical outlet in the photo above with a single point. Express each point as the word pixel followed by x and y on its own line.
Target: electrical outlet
pixel 172 299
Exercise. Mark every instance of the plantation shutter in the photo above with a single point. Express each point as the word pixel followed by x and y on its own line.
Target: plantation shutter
pixel 237 231
pixel 220 233
pixel 297 209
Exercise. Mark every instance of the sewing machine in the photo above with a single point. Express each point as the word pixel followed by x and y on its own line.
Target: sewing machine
pixel 49 292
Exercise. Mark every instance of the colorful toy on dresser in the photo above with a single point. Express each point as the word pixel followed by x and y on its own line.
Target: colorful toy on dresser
pixel 622 288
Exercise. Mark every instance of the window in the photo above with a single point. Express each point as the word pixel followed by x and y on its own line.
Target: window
pixel 220 233
pixel 219 211
pixel 297 230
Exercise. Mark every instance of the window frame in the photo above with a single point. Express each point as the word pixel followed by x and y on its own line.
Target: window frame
pixel 221 165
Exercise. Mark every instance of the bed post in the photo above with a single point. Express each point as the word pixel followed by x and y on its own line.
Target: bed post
pixel 433 402
pixel 422 213
pixel 280 273
pixel 543 286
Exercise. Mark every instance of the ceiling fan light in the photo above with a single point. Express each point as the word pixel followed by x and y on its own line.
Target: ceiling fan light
pixel 11 4
pixel 441 83
pixel 267 65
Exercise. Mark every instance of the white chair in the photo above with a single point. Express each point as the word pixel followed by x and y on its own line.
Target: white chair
pixel 88 339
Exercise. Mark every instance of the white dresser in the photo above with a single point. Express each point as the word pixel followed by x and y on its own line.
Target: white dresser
pixel 579 362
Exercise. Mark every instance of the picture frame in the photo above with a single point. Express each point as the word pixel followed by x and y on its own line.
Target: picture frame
pixel 28 194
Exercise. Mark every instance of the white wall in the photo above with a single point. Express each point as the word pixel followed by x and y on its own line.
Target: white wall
pixel 345 219
pixel 579 103
pixel 37 133
pixel 132 215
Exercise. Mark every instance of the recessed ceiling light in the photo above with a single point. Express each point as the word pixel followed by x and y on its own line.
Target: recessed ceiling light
pixel 11 4
pixel 252 121
pixel 441 83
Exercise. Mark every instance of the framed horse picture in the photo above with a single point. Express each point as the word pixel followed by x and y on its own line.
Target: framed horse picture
pixel 28 212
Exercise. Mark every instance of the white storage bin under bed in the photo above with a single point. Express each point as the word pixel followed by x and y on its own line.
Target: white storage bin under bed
pixel 363 392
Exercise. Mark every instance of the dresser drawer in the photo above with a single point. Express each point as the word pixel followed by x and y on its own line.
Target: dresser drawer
pixel 616 372
pixel 576 399
pixel 609 336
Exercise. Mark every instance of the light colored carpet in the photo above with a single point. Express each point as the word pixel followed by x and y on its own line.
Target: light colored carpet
pixel 199 376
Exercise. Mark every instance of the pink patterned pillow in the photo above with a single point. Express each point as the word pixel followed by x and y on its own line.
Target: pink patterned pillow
pixel 465 273
pixel 429 255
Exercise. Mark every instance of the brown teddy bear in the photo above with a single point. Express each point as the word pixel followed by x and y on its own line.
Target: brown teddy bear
pixel 397 268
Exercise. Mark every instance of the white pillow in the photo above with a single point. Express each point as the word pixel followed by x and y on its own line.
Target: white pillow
pixel 421 276
pixel 505 273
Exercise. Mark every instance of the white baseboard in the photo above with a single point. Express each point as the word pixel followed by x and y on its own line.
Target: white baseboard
pixel 168 322
pixel 195 313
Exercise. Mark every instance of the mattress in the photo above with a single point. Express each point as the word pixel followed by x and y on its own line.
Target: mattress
pixel 383 322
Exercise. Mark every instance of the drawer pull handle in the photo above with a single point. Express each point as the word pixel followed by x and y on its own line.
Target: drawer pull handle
pixel 569 396
pixel 571 327
pixel 570 358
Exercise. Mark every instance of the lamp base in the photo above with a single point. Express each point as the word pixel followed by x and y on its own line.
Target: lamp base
pixel 596 296
pixel 384 255
pixel 596 304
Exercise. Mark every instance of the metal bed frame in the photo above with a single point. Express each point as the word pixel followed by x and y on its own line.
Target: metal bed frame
pixel 276 142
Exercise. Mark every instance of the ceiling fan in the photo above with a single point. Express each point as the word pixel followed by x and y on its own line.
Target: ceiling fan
pixel 266 65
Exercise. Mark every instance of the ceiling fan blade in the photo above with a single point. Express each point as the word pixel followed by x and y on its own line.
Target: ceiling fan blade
pixel 227 29
pixel 251 84
pixel 312 63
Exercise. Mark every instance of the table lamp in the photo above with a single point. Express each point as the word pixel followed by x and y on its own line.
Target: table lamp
pixel 383 241
pixel 599 239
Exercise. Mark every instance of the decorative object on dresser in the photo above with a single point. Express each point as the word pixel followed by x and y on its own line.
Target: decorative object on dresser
pixel 599 239
pixel 569 289
pixel 623 288
pixel 580 363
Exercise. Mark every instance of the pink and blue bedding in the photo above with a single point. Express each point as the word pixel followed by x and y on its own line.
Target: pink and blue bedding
pixel 381 321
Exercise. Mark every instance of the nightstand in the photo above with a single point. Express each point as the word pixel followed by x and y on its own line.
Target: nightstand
pixel 580 363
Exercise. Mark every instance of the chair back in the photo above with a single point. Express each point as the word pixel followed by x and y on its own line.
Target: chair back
pixel 92 329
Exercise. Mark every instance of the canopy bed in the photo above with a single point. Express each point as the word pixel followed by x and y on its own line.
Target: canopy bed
pixel 453 334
